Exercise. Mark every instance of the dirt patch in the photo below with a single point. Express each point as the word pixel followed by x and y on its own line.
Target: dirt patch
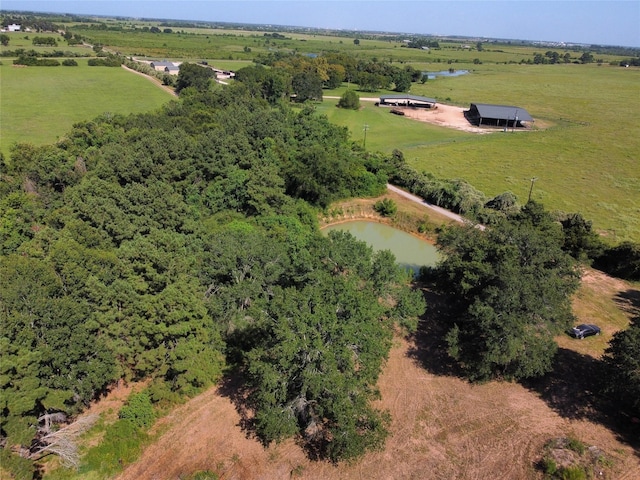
pixel 445 116
pixel 441 425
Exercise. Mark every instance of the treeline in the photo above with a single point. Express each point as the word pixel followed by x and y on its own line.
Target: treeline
pixel 38 23
pixel 34 61
pixel 579 239
pixel 331 69
pixel 21 52
pixel 173 245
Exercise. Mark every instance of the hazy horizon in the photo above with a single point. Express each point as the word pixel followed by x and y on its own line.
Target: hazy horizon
pixel 615 23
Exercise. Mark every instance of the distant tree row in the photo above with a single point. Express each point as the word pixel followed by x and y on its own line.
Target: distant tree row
pixel 307 76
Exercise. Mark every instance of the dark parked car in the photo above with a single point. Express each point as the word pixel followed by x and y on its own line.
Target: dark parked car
pixel 584 330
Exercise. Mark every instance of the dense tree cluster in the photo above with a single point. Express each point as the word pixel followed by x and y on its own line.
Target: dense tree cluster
pixel 164 246
pixel 306 76
pixel 192 75
pixel 512 286
pixel 622 373
pixel 46 41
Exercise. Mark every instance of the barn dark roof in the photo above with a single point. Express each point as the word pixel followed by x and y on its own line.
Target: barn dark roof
pixel 414 98
pixel 502 112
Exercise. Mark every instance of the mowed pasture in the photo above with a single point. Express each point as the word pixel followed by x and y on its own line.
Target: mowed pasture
pixel 39 105
pixel 583 149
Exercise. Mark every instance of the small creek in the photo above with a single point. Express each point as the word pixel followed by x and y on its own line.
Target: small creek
pixel 410 252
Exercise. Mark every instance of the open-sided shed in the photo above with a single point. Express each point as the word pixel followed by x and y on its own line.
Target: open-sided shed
pixel 497 115
pixel 407 100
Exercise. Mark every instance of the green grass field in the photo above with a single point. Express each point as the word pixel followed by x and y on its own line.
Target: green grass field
pixel 38 105
pixel 584 149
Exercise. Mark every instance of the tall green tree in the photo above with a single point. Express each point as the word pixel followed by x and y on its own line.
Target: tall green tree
pixel 195 76
pixel 307 85
pixel 349 100
pixel 512 286
pixel 320 349
pixel 622 363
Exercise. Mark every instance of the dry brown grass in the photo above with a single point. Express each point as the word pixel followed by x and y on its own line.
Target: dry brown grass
pixel 443 427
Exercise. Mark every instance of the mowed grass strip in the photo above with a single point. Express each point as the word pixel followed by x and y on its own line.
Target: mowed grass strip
pixel 38 105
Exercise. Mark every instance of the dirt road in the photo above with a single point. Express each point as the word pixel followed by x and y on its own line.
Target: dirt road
pixel 440 210
pixel 154 80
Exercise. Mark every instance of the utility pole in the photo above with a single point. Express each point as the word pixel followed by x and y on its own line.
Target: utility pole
pixel 364 142
pixel 533 179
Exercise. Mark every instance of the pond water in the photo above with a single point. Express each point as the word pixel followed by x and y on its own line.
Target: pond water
pixel 445 73
pixel 411 252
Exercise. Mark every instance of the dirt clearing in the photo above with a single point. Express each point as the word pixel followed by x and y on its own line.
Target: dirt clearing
pixel 443 428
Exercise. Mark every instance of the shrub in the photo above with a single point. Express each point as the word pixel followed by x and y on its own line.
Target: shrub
pixel 386 207
pixel 19 468
pixel 69 62
pixel 549 466
pixel 575 445
pixel 36 62
pixel 138 410
pixel 203 475
pixel 572 473
pixel 121 445
pixel 109 61
pixel 349 100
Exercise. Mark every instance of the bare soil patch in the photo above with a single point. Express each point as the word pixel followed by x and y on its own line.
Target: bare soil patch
pixel 442 426
pixel 445 116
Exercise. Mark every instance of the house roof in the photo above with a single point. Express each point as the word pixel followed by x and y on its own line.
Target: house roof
pixel 502 112
pixel 415 98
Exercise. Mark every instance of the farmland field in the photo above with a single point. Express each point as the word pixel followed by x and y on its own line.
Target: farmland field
pixel 583 149
pixel 583 152
pixel 40 104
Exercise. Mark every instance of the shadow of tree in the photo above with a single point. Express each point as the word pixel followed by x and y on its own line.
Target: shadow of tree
pixel 629 301
pixel 234 387
pixel 429 346
pixel 573 389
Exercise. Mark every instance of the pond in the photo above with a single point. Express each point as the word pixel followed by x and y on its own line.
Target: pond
pixel 411 252
pixel 445 73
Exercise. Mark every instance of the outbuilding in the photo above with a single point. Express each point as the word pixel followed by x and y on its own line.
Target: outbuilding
pixel 407 100
pixel 484 114
pixel 167 67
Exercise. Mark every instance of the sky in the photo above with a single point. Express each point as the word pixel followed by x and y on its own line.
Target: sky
pixel 603 22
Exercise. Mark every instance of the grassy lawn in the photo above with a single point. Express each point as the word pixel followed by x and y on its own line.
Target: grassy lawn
pixel 386 132
pixel 585 157
pixel 38 105
pixel 583 150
